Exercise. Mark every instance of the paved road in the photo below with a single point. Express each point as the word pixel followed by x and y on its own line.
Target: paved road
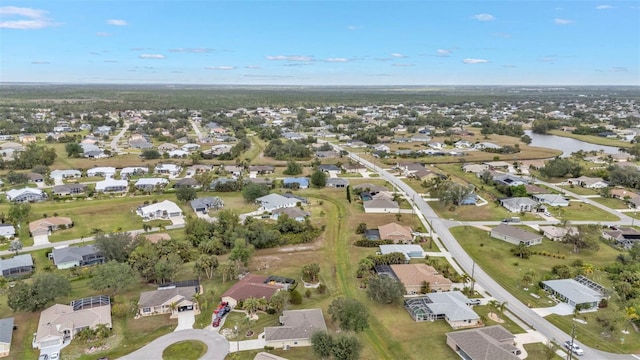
pixel 217 345
pixel 196 129
pixel 528 316
pixel 116 139
pixel 82 240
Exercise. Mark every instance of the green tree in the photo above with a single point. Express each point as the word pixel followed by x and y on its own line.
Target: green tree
pixel 252 191
pixel 228 270
pixel 319 179
pixel 587 237
pixel 425 288
pixel 293 168
pixel 322 344
pixel 241 251
pixel 15 178
pixel 115 246
pixel 310 273
pixel 74 150
pixel 349 193
pixel 113 276
pixel 206 264
pixel 385 290
pixel 45 288
pixel 150 154
pixel 186 193
pixel 279 301
pixel 15 246
pixel 350 314
pixel 19 212
pixel 346 347
pixel 362 228
pixel 295 298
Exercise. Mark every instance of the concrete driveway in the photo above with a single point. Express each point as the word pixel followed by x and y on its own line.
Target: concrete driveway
pixel 186 319
pixel 41 240
pixel 217 345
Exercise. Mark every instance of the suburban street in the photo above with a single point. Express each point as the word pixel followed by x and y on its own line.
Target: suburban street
pixel 217 345
pixel 116 139
pixel 528 316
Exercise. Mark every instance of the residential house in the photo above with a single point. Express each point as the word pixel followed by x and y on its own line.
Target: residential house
pixel 381 206
pixel 509 180
pixel 255 286
pixel 187 182
pixel 396 232
pixel 296 182
pixel 589 182
pixel 102 171
pixel 292 212
pixel 515 235
pixel 551 199
pixel 27 138
pixel 178 154
pixel 164 210
pixel 500 165
pixel 410 251
pixel 337 182
pixel 128 172
pixel 350 168
pixel 95 154
pixel 622 236
pixel 485 343
pixel 275 201
pixel 557 233
pixel 65 174
pixel 170 298
pixel 166 147
pixel 463 144
pixel 26 195
pixel 35 177
pixel 190 147
pixel 256 170
pixel 149 184
pixel 69 189
pixel 486 146
pixel 203 205
pixel 59 323
pixel 225 184
pixel 370 188
pixel 518 204
pixel 413 276
pixel 75 256
pixel 450 306
pixel 585 293
pixel 330 169
pixel 111 185
pixel 48 225
pixel 168 169
pixel 235 171
pixel 6 334
pixel 327 154
pixel 7 231
pixel 102 130
pixel 297 327
pixel 18 265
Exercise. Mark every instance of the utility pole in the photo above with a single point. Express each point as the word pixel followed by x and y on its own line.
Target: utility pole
pixel 573 336
pixel 473 280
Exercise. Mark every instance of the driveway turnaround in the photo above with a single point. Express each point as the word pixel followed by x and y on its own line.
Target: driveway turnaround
pixel 217 345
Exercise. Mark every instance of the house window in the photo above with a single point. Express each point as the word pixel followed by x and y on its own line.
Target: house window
pixel 146 310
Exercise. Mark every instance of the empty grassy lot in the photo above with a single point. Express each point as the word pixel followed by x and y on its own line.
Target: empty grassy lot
pixel 580 211
pixel 612 203
pixel 185 350
pixel 508 273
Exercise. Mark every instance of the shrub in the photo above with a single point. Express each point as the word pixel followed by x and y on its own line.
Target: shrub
pixel 372 243
pixel 307 293
pixel 295 298
pixel 322 288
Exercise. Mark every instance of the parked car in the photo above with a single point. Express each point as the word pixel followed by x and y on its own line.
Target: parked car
pixel 474 302
pixel 224 311
pixel 573 347
pixel 220 307
pixel 54 356
pixel 43 357
pixel 216 321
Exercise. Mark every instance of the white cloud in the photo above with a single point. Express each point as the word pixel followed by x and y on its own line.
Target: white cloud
pixel 192 50
pixel 443 52
pixel 103 34
pixel 619 69
pixel 31 18
pixel 397 55
pixel 252 67
pixel 402 65
pixel 152 56
pixel 289 58
pixel 40 62
pixel 220 68
pixel 337 60
pixel 559 21
pixel 117 22
pixel 475 61
pixel 604 7
pixel 484 17
pixel 352 27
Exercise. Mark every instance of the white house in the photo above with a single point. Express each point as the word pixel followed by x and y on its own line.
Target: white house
pixel 551 199
pixel 164 210
pixel 275 201
pixel 65 174
pixel 127 172
pixel 104 171
pixel 7 231
pixel 149 184
pixel 26 195
pixel 518 204
pixel 112 185
pixel 381 206
pixel 170 169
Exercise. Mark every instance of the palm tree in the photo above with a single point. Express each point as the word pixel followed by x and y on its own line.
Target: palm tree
pixel 102 331
pixel 502 307
pixel 529 276
pixel 587 269
pixel 251 305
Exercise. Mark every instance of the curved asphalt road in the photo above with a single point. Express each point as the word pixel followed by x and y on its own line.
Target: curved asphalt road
pixel 217 345
pixel 516 307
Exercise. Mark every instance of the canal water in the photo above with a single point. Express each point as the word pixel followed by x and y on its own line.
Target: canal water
pixel 567 145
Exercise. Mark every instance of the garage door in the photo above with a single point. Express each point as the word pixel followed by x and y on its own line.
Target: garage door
pixel 185 308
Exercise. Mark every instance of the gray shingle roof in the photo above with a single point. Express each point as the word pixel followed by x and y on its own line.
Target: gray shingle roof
pixel 453 305
pixel 489 343
pixel 573 290
pixel 515 232
pixel 15 262
pixel 6 330
pixel 75 253
pixel 296 325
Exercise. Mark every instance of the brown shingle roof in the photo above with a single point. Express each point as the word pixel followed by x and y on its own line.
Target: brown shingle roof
pixel 296 325
pixel 43 224
pixel 251 286
pixel 415 274
pixel 396 232
pixel 160 297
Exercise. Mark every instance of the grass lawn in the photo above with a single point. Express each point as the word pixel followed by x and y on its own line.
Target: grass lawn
pixel 537 351
pixel 245 325
pixel 488 212
pixel 612 203
pixel 593 139
pixel 508 273
pixel 580 211
pixel 293 353
pixel 579 190
pixel 185 350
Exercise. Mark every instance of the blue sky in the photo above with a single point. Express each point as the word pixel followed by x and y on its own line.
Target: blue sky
pixel 454 42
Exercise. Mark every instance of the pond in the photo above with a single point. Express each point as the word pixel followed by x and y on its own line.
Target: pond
pixel 567 145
